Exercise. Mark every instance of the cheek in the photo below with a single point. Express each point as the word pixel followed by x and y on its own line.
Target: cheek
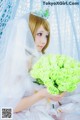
pixel 46 42
pixel 37 39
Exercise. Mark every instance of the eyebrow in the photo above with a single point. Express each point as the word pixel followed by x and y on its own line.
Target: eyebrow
pixel 42 32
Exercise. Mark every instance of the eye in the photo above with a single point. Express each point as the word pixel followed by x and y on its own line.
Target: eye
pixel 39 34
pixel 46 36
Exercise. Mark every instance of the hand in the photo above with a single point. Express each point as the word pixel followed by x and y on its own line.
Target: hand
pixel 57 97
pixel 45 94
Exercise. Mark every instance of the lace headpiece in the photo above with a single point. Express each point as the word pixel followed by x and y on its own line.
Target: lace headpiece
pixel 42 13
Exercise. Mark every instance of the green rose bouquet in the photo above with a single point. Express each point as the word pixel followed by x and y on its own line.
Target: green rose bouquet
pixel 58 73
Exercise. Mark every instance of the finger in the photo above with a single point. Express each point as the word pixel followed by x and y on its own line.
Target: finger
pixel 63 94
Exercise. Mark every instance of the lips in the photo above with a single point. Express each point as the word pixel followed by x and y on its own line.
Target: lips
pixel 40 46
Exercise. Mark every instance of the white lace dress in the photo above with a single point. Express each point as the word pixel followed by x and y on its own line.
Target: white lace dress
pixel 18 83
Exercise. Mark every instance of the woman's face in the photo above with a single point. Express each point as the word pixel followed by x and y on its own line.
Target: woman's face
pixel 41 38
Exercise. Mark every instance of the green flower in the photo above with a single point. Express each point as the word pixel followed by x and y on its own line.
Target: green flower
pixel 57 72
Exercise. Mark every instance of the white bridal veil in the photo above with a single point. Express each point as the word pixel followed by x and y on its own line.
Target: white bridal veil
pixel 14 63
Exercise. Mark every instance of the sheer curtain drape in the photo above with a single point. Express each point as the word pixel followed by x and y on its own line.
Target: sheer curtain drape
pixel 7 12
pixel 65 30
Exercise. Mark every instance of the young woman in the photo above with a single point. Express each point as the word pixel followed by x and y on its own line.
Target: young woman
pixel 36 104
pixel 27 41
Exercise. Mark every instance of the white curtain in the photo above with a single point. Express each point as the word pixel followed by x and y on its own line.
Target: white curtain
pixel 65 30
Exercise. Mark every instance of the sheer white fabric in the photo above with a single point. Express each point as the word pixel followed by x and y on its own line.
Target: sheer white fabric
pixel 15 62
pixel 16 82
pixel 69 108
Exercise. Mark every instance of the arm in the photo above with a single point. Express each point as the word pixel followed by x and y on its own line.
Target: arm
pixel 28 101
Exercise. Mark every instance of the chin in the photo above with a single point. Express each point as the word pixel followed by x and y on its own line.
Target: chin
pixel 39 50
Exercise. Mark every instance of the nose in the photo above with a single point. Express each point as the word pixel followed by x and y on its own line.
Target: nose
pixel 43 41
